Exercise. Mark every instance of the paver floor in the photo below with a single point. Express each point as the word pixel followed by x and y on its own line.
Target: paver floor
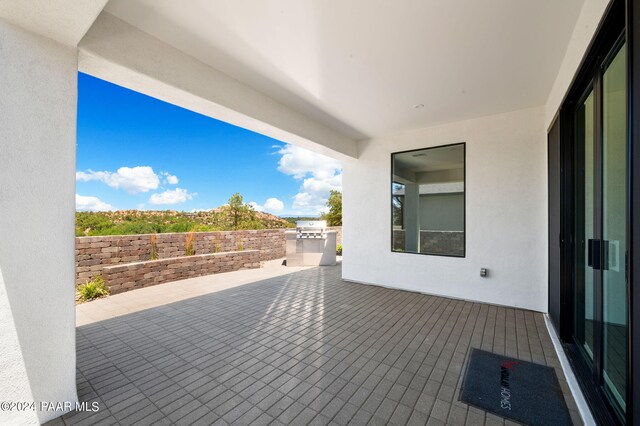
pixel 301 348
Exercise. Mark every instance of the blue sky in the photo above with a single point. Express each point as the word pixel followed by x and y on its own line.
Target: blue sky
pixel 136 152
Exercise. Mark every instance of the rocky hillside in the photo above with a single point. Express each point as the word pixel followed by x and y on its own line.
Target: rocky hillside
pixel 125 222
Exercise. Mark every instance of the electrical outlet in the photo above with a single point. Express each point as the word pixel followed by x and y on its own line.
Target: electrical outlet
pixel 484 272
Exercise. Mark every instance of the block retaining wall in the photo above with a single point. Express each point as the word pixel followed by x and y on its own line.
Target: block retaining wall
pixel 121 278
pixel 93 254
pixel 338 230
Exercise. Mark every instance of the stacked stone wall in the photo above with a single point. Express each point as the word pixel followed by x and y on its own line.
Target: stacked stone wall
pixel 130 276
pixel 93 254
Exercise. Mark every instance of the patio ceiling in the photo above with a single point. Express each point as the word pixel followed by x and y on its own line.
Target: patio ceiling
pixel 359 67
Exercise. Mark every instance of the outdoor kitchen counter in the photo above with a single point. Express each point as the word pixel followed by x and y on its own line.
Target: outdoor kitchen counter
pixel 311 251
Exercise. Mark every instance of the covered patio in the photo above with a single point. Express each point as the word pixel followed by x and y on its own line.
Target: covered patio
pixel 539 100
pixel 271 346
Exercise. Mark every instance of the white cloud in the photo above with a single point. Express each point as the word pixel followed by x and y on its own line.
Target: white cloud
pixel 171 196
pixel 272 205
pixel 314 194
pixel 299 162
pixel 91 204
pixel 319 175
pixel 131 179
pixel 169 178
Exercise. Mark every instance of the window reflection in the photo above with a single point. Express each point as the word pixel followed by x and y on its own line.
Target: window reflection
pixel 428 201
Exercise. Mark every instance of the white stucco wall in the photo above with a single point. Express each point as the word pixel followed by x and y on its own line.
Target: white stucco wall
pixel 506 213
pixel 37 164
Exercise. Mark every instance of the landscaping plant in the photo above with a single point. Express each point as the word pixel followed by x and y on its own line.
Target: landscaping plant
pixel 91 290
pixel 154 247
pixel 189 249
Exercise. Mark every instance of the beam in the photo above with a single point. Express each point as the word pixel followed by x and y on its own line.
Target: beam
pixel 65 21
pixel 116 51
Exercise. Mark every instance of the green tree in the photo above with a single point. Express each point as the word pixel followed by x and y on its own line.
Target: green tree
pixel 240 212
pixel 334 215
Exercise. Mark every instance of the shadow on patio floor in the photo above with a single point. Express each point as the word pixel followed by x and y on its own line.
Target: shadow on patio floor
pixel 302 348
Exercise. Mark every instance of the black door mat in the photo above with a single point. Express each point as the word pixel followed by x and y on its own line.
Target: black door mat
pixel 523 391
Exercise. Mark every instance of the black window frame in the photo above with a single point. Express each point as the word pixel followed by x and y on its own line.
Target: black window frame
pixel 464 200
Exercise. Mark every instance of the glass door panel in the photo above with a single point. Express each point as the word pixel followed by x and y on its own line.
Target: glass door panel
pixel 614 229
pixel 584 279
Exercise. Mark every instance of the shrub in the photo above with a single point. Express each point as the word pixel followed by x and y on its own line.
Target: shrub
pixel 188 246
pixel 240 246
pixel 91 290
pixel 154 247
pixel 339 249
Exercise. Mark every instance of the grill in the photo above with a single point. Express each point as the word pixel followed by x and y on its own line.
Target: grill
pixel 311 228
pixel 311 244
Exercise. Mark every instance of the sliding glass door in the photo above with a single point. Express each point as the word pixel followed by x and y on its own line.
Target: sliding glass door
pixel 614 229
pixel 600 228
pixel 584 289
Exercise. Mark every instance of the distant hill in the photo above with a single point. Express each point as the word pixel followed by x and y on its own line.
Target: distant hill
pixel 293 219
pixel 126 222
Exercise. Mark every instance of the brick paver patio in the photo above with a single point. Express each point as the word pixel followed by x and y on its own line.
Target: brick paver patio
pixel 302 348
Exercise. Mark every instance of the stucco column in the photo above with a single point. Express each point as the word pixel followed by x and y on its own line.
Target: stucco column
pixel 37 206
pixel 411 217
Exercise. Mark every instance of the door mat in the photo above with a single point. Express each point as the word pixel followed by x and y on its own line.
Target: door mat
pixel 523 391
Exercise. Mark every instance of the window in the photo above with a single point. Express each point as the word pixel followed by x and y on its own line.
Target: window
pixel 428 201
